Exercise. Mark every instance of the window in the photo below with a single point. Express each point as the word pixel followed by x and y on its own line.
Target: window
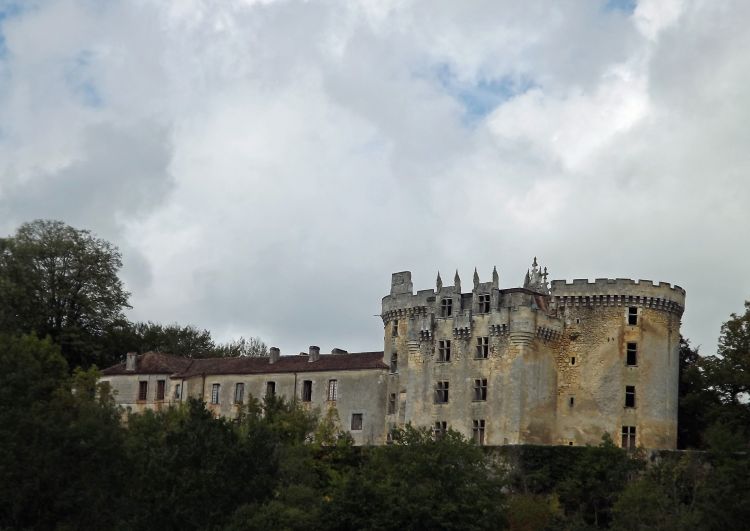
pixel 446 307
pixel 215 394
pixel 270 388
pixel 441 393
pixel 478 432
pixel 632 315
pixel 632 354
pixel 394 328
pixel 572 360
pixel 394 363
pixel 440 429
pixel 628 437
pixel 333 388
pixel 177 389
pixel 483 347
pixel 160 386
pixel 480 389
pixel 572 401
pixel 142 390
pixel 392 403
pixel 307 391
pixel 629 396
pixel 484 304
pixel 444 350
pixel 239 393
pixel 356 421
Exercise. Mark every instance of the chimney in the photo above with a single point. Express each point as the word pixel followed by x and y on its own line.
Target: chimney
pixel 314 353
pixel 339 351
pixel 130 361
pixel 273 355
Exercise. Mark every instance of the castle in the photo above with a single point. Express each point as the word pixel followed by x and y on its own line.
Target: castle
pixel 538 364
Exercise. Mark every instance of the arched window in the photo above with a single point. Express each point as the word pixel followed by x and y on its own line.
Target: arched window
pixel 394 362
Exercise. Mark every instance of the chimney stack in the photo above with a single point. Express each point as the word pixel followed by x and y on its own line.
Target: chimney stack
pixel 314 353
pixel 130 361
pixel 273 354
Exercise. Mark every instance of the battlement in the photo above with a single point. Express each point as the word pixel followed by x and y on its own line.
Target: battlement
pixel 616 286
pixel 619 291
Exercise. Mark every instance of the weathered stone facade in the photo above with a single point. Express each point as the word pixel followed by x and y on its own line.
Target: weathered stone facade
pixel 558 363
pixel 532 365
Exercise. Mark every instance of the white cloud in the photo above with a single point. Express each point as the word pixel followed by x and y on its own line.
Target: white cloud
pixel 265 166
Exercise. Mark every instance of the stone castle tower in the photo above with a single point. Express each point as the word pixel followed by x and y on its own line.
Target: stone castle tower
pixel 538 364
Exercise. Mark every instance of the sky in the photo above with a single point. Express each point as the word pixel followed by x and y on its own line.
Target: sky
pixel 265 165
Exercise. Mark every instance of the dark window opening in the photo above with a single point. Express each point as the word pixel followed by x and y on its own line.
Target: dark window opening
pixel 160 387
pixel 628 437
pixel 570 443
pixel 142 390
pixel 239 393
pixel 392 403
pixel 356 421
pixel 478 432
pixel 633 315
pixel 307 391
pixel 441 393
pixel 629 396
pixel 177 389
pixel 483 348
pixel 333 390
pixel 394 363
pixel 484 304
pixel 632 354
pixel 394 328
pixel 572 360
pixel 446 307
pixel 480 389
pixel 215 394
pixel 270 388
pixel 572 401
pixel 444 350
pixel 440 429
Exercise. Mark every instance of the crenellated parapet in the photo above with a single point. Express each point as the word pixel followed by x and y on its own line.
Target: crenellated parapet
pixel 618 292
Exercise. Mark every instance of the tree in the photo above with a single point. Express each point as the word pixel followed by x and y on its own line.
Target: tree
pixel 60 281
pixel 187 341
pixel 729 372
pixel 698 402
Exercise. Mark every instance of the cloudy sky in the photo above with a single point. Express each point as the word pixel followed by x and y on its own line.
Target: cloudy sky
pixel 264 166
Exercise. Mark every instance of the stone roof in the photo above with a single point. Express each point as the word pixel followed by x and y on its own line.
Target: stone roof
pixel 178 367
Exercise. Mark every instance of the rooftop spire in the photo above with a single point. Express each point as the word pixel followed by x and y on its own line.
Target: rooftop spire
pixel 457 283
pixel 495 278
pixel 476 278
pixel 439 282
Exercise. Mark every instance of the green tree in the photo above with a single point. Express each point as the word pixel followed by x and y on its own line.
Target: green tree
pixel 697 401
pixel 188 341
pixel 728 375
pixel 61 457
pixel 595 481
pixel 60 281
pixel 419 483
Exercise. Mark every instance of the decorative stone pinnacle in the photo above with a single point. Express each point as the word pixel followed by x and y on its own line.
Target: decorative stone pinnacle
pixel 495 278
pixel 457 282
pixel 439 282
pixel 476 278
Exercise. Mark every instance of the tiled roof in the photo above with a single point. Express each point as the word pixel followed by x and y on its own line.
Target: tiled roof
pixel 185 367
pixel 152 363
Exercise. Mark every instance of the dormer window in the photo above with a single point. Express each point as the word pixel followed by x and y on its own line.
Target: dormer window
pixel 446 307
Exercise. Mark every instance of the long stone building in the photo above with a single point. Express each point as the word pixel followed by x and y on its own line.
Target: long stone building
pixel 537 364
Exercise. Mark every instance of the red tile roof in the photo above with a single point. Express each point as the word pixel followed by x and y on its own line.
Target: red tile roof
pixel 185 367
